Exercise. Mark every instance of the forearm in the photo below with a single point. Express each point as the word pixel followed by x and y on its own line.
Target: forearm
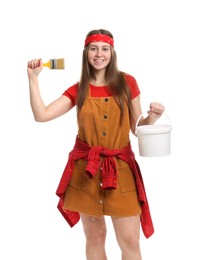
pixel 154 113
pixel 37 104
pixel 148 120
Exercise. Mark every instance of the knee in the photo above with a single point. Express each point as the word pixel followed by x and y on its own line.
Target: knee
pixel 130 242
pixel 96 237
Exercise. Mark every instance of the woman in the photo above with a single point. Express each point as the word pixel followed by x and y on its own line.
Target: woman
pixel 102 176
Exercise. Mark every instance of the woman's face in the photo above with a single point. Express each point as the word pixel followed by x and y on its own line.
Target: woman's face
pixel 99 55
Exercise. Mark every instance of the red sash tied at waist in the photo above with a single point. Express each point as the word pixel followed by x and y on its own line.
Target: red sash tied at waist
pixel 109 177
pixel 108 164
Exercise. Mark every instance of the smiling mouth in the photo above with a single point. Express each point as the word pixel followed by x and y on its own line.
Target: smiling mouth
pixel 98 61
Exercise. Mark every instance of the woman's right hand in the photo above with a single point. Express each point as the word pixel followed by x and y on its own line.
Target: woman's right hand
pixel 34 67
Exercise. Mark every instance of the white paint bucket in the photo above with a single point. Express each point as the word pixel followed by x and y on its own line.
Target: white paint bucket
pixel 153 140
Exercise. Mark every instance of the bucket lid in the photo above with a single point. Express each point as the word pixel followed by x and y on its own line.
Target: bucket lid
pixel 152 129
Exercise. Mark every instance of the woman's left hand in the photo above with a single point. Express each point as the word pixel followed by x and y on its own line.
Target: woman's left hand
pixel 156 110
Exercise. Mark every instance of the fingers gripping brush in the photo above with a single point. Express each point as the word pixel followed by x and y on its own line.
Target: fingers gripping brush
pixel 54 64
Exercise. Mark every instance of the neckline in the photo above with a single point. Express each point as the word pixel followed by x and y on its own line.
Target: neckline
pixel 91 85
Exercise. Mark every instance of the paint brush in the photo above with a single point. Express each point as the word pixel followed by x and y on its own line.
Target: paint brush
pixel 55 64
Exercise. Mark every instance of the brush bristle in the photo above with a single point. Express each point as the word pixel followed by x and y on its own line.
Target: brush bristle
pixel 57 64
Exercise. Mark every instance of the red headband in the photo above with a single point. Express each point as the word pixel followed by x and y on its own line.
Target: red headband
pixel 99 38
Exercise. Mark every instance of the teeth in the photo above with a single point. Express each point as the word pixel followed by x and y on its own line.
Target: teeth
pixel 98 61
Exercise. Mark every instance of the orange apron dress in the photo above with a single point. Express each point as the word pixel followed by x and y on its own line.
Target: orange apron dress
pixel 99 125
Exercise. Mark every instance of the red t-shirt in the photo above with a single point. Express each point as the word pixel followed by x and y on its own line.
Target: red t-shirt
pixel 102 91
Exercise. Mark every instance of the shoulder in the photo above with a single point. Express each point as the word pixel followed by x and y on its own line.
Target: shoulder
pixel 130 80
pixel 72 88
pixel 132 84
pixel 71 92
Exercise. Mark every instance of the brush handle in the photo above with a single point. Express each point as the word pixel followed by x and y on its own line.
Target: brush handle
pixel 47 64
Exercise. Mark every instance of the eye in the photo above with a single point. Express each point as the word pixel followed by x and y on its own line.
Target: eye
pixel 92 48
pixel 106 49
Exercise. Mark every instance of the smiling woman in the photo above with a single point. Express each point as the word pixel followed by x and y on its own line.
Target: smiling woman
pixel 102 176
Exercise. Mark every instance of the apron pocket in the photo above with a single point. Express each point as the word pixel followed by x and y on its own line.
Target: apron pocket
pixel 125 179
pixel 78 173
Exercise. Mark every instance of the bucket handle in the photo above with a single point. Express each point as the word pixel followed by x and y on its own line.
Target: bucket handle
pixel 136 125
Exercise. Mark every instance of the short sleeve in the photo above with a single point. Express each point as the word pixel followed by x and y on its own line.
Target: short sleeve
pixel 71 93
pixel 133 86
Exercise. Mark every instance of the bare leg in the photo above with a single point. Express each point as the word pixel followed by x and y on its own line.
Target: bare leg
pixel 128 235
pixel 95 232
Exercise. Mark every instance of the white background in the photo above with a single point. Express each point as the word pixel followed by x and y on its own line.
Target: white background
pixel 157 42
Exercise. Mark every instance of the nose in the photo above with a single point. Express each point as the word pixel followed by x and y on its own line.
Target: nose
pixel 99 53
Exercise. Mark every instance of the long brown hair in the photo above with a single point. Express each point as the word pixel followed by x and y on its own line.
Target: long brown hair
pixel 115 79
